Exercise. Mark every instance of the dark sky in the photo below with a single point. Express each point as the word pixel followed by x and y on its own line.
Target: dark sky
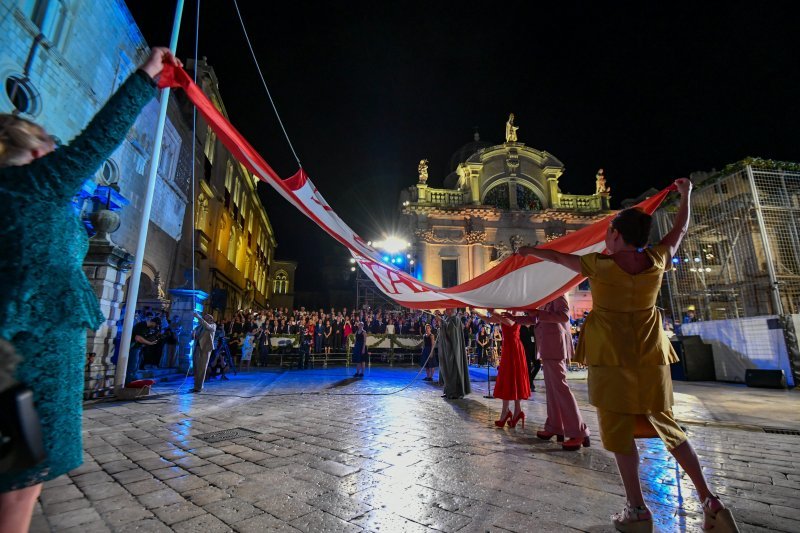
pixel 649 91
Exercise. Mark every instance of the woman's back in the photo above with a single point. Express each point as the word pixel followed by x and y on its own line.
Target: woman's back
pixel 626 282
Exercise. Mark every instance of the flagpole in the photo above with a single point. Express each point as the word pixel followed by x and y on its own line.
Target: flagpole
pixel 133 288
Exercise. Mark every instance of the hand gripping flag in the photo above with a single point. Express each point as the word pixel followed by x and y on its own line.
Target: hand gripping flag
pixel 515 283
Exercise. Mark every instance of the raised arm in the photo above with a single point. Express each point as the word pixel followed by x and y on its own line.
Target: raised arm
pixel 570 261
pixel 680 225
pixel 63 171
pixel 496 319
pixel 557 312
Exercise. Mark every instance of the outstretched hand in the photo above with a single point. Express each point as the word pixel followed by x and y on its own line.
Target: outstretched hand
pixel 683 185
pixel 159 56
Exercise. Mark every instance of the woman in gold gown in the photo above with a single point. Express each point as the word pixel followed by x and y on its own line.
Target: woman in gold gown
pixel 629 355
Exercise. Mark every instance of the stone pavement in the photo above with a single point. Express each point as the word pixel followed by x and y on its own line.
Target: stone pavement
pixel 326 452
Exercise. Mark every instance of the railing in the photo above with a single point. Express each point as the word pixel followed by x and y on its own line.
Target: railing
pixel 581 202
pixel 288 345
pixel 446 197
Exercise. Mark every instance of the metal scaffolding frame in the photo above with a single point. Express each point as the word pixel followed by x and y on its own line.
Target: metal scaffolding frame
pixel 740 257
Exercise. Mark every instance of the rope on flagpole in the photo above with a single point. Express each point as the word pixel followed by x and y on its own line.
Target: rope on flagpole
pixel 263 81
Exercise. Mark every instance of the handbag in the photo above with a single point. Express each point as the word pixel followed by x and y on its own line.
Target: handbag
pixel 21 444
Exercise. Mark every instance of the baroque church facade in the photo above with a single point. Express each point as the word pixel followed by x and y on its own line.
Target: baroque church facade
pixel 497 198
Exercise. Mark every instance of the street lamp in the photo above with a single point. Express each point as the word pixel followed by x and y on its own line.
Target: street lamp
pixel 392 244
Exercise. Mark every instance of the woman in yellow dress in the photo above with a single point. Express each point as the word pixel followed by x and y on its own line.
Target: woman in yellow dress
pixel 628 355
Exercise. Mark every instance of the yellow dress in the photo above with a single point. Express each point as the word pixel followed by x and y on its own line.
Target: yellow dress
pixel 628 353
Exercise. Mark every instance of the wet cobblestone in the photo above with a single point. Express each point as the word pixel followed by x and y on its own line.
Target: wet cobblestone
pixel 332 453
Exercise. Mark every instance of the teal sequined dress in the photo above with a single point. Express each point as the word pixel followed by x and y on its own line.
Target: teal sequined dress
pixel 46 302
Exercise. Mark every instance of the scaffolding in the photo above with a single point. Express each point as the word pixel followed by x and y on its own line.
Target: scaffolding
pixel 740 257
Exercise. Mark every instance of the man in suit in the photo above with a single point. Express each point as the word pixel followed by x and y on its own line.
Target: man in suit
pixel 554 347
pixel 203 345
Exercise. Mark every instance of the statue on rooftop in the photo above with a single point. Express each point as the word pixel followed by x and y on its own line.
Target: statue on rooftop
pixel 511 129
pixel 423 170
pixel 600 183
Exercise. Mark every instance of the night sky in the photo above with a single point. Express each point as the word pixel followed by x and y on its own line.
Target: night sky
pixel 648 91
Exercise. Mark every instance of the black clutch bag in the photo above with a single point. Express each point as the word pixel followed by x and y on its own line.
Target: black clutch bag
pixel 21 444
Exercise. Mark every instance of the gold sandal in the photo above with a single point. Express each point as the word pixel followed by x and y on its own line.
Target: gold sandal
pixel 634 519
pixel 717 517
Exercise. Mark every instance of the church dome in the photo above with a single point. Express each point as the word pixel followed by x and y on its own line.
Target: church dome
pixel 451 181
pixel 466 151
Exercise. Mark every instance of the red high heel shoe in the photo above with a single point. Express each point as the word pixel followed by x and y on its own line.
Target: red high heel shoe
pixel 547 435
pixel 573 445
pixel 516 418
pixel 502 422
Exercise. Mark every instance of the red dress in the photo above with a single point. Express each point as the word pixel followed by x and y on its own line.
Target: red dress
pixel 512 375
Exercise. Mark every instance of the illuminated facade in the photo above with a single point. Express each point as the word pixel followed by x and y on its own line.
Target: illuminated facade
pixel 282 281
pixel 496 197
pixel 233 239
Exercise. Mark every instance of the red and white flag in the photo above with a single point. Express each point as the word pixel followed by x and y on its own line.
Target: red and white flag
pixel 515 283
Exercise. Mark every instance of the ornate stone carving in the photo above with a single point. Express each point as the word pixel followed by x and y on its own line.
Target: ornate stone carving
pixel 501 250
pixel 515 241
pixel 512 161
pixel 432 236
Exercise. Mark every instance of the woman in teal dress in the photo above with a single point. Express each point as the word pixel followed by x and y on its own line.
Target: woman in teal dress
pixel 41 278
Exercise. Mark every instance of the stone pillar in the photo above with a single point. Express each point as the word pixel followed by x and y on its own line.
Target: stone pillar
pixel 107 267
pixel 478 263
pixel 184 303
pixel 512 193
pixel 422 193
pixel 552 185
pixel 475 188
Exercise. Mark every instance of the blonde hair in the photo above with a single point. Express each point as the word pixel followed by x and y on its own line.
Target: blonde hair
pixel 18 138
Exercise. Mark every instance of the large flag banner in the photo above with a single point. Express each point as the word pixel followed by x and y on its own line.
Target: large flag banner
pixel 515 283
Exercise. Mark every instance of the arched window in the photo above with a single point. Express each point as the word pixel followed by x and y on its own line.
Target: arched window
pixel 527 200
pixel 498 197
pixel 280 284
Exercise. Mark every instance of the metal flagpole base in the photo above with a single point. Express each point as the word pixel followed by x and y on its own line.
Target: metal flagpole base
pixel 488 365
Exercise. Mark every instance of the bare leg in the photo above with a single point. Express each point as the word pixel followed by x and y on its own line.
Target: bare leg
pixel 16 508
pixel 517 407
pixel 504 409
pixel 628 465
pixel 687 458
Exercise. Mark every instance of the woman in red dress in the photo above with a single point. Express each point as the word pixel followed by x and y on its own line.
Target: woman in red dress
pixel 512 374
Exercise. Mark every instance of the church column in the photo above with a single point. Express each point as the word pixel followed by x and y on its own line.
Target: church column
pixel 474 188
pixel 478 263
pixel 552 185
pixel 512 193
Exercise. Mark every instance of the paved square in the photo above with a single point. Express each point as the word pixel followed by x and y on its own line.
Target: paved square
pixel 330 453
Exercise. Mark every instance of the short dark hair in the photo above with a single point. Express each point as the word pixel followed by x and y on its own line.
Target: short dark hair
pixel 634 226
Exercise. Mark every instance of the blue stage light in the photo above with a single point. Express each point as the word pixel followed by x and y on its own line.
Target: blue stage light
pixel 386 258
pixel 399 260
pixel 675 260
